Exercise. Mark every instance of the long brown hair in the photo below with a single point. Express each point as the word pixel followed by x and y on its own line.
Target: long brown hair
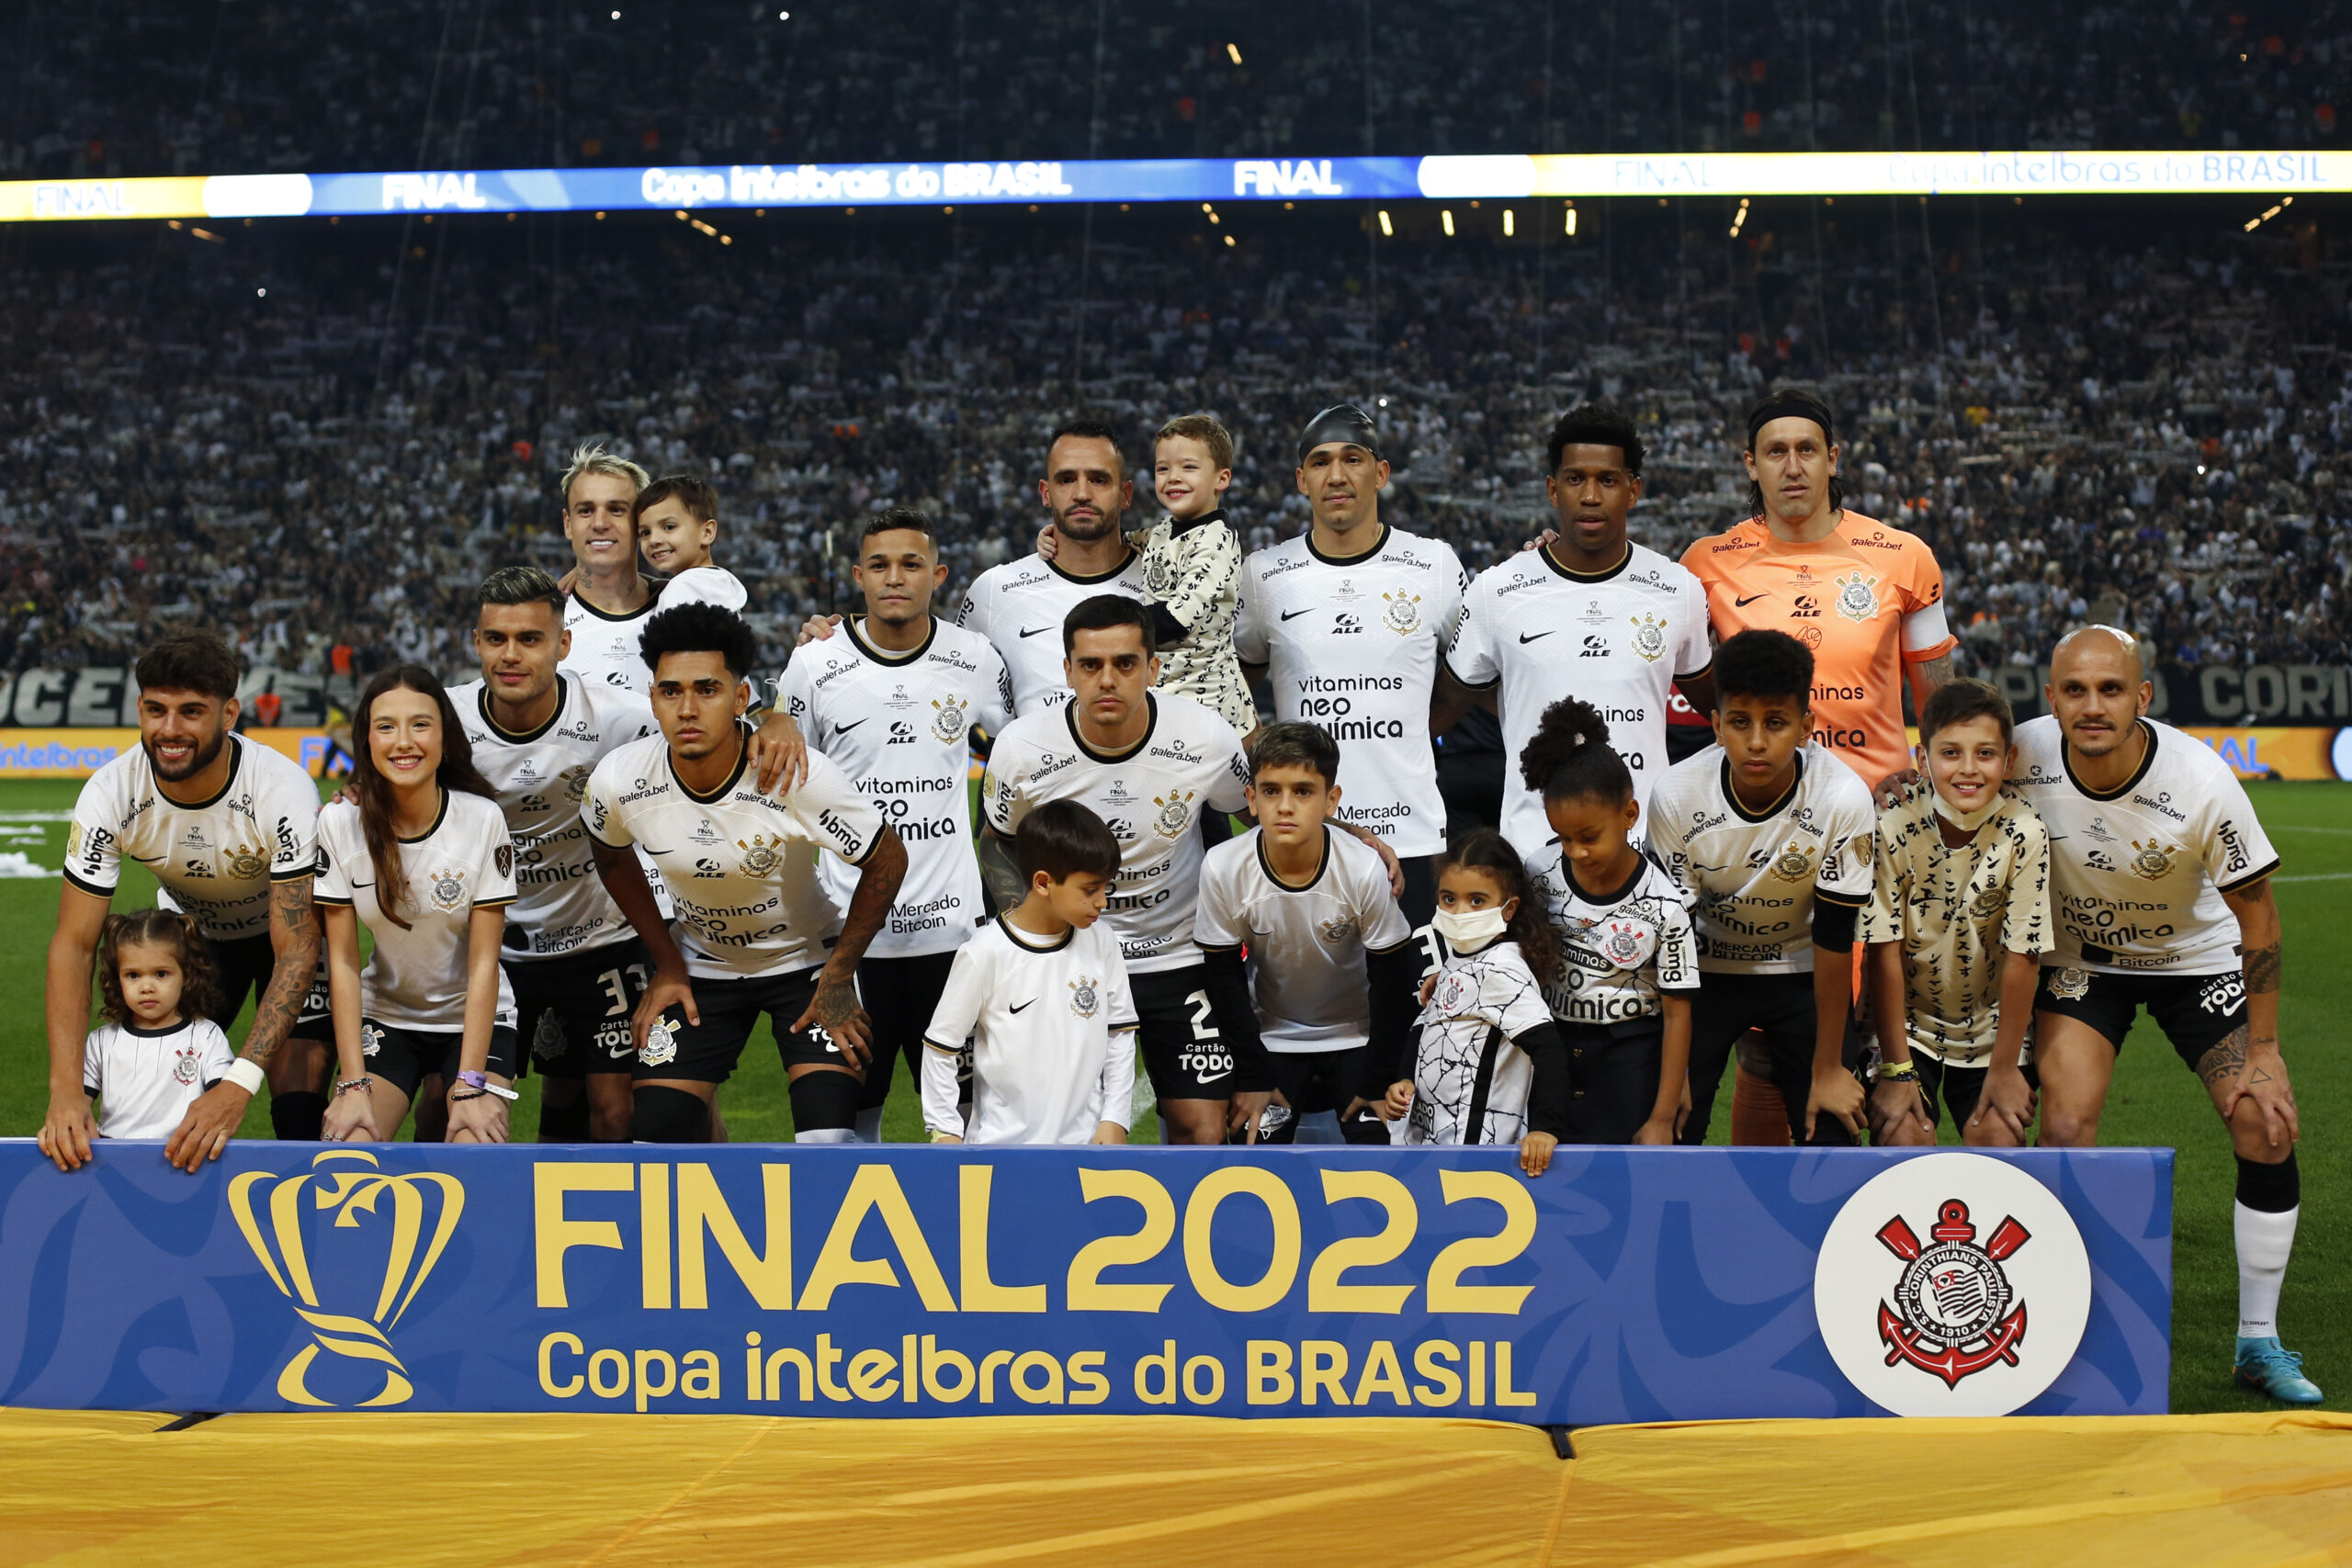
pixel 1485 850
pixel 372 792
pixel 199 976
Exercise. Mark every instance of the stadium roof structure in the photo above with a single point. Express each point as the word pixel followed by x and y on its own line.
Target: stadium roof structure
pixel 1493 176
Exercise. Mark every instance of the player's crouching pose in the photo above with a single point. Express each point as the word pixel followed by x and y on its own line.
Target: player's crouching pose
pixel 2160 877
pixel 1041 996
pixel 416 850
pixel 755 924
pixel 1335 963
pixel 1629 962
pixel 1956 926
pixel 1490 1067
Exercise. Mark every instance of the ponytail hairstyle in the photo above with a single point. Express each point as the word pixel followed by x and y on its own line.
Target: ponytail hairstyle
pixel 1570 758
pixel 371 792
pixel 1483 849
pixel 199 974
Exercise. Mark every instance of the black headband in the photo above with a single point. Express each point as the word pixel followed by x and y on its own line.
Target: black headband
pixel 1340 422
pixel 1789 405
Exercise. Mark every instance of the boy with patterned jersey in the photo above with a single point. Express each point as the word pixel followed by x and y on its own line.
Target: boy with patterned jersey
pixel 1164 772
pixel 1332 960
pixel 1349 622
pixel 1771 840
pixel 1955 927
pixel 756 930
pixel 895 700
pixel 2160 877
pixel 1192 568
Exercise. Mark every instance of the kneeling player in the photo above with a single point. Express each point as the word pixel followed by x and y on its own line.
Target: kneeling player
pixel 1956 926
pixel 757 933
pixel 1335 962
pixel 2160 878
pixel 1057 1065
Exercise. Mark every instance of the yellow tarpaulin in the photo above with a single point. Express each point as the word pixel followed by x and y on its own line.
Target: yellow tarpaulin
pixel 355 1491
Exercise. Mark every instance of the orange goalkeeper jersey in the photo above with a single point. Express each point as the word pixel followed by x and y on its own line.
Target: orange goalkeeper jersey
pixel 1867 600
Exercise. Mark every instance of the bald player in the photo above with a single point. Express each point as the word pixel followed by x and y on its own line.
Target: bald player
pixel 2160 884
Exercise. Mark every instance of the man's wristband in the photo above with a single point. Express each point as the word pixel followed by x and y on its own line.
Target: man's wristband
pixel 246 1075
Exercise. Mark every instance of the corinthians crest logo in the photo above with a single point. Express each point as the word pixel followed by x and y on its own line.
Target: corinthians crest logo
pixel 1649 637
pixel 760 854
pixel 1954 1312
pixel 1084 996
pixel 2152 861
pixel 1175 812
pixel 244 861
pixel 351 1347
pixel 1856 597
pixel 1403 615
pixel 947 720
pixel 449 889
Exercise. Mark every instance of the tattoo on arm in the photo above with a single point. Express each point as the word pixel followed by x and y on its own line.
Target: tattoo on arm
pixel 870 904
pixel 2224 1061
pixel 2262 967
pixel 295 920
pixel 1003 878
pixel 1936 671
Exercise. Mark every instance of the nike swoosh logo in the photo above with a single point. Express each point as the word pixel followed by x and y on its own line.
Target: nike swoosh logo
pixel 1031 1002
pixel 1038 631
pixel 1211 1077
pixel 845 729
pixel 1293 615
pixel 1749 600
pixel 1526 637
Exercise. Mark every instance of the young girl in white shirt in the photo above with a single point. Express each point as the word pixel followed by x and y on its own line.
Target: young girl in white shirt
pixel 158 1049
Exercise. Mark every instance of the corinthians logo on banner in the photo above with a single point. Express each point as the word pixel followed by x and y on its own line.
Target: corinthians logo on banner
pixel 417 1214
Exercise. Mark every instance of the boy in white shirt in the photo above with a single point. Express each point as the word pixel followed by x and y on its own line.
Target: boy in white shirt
pixel 677 523
pixel 1042 994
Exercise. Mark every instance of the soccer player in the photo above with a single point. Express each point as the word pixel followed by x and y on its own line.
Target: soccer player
pixel 229 828
pixel 894 701
pixel 1770 836
pixel 1324 1007
pixel 1163 772
pixel 757 932
pixel 2160 878
pixel 1588 614
pixel 1956 925
pixel 568 953
pixel 1349 621
pixel 1062 1072
pixel 416 849
pixel 1629 962
pixel 610 597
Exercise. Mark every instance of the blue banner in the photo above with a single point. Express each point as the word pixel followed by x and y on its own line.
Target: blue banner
pixel 1626 1284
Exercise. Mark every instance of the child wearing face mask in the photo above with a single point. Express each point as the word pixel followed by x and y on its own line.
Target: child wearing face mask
pixel 1490 1067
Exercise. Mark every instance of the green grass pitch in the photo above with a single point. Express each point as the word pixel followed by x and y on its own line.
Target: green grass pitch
pixel 2156 1101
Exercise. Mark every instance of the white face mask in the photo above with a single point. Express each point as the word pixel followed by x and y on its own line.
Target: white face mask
pixel 1966 822
pixel 1467 930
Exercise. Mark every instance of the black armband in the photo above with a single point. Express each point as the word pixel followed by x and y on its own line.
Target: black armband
pixel 1236 1018
pixel 1833 924
pixel 1549 1097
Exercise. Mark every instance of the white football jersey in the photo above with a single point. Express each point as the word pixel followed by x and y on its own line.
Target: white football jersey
pixel 416 978
pixel 900 725
pixel 1618 640
pixel 1353 645
pixel 215 859
pixel 146 1078
pixel 1470 1083
pixel 2137 874
pixel 1153 796
pixel 1620 948
pixel 1306 944
pixel 1020 607
pixel 604 647
pixel 740 866
pixel 541 776
pixel 703 585
pixel 1752 877
pixel 1052 1028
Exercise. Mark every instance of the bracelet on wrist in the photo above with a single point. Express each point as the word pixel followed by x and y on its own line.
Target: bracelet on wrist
pixel 458 1094
pixel 1898 1072
pixel 362 1081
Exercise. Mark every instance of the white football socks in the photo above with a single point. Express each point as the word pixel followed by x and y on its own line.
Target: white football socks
pixel 2265 1242
pixel 869 1125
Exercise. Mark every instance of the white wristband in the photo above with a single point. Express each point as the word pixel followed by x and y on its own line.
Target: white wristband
pixel 246 1075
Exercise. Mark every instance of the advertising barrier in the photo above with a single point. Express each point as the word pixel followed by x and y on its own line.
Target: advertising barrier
pixel 1624 1285
pixel 79 753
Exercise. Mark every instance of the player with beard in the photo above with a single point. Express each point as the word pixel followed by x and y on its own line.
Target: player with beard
pixel 2160 883
pixel 230 829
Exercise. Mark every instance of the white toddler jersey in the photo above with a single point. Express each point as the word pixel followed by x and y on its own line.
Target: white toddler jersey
pixel 146 1078
pixel 416 978
pixel 215 859
pixel 541 776
pixel 1619 949
pixel 1752 877
pixel 1020 607
pixel 740 866
pixel 1470 1083
pixel 2137 874
pixel 1052 1028
pixel 1188 762
pixel 604 647
pixel 703 585
pixel 900 725
pixel 1306 943
pixel 1619 642
pixel 1352 644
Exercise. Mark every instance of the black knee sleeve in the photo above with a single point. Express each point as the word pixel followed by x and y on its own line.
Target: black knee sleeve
pixel 298 1116
pixel 564 1124
pixel 2270 1189
pixel 876 1090
pixel 823 1102
pixel 658 1116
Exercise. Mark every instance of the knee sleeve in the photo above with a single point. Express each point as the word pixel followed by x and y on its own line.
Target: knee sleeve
pixel 298 1116
pixel 2270 1189
pixel 824 1102
pixel 564 1124
pixel 660 1115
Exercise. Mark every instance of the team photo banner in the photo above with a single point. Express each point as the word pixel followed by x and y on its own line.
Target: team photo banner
pixel 1624 1285
pixel 1500 177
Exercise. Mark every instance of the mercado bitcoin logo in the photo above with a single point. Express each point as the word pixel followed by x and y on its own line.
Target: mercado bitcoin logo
pixel 420 1212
